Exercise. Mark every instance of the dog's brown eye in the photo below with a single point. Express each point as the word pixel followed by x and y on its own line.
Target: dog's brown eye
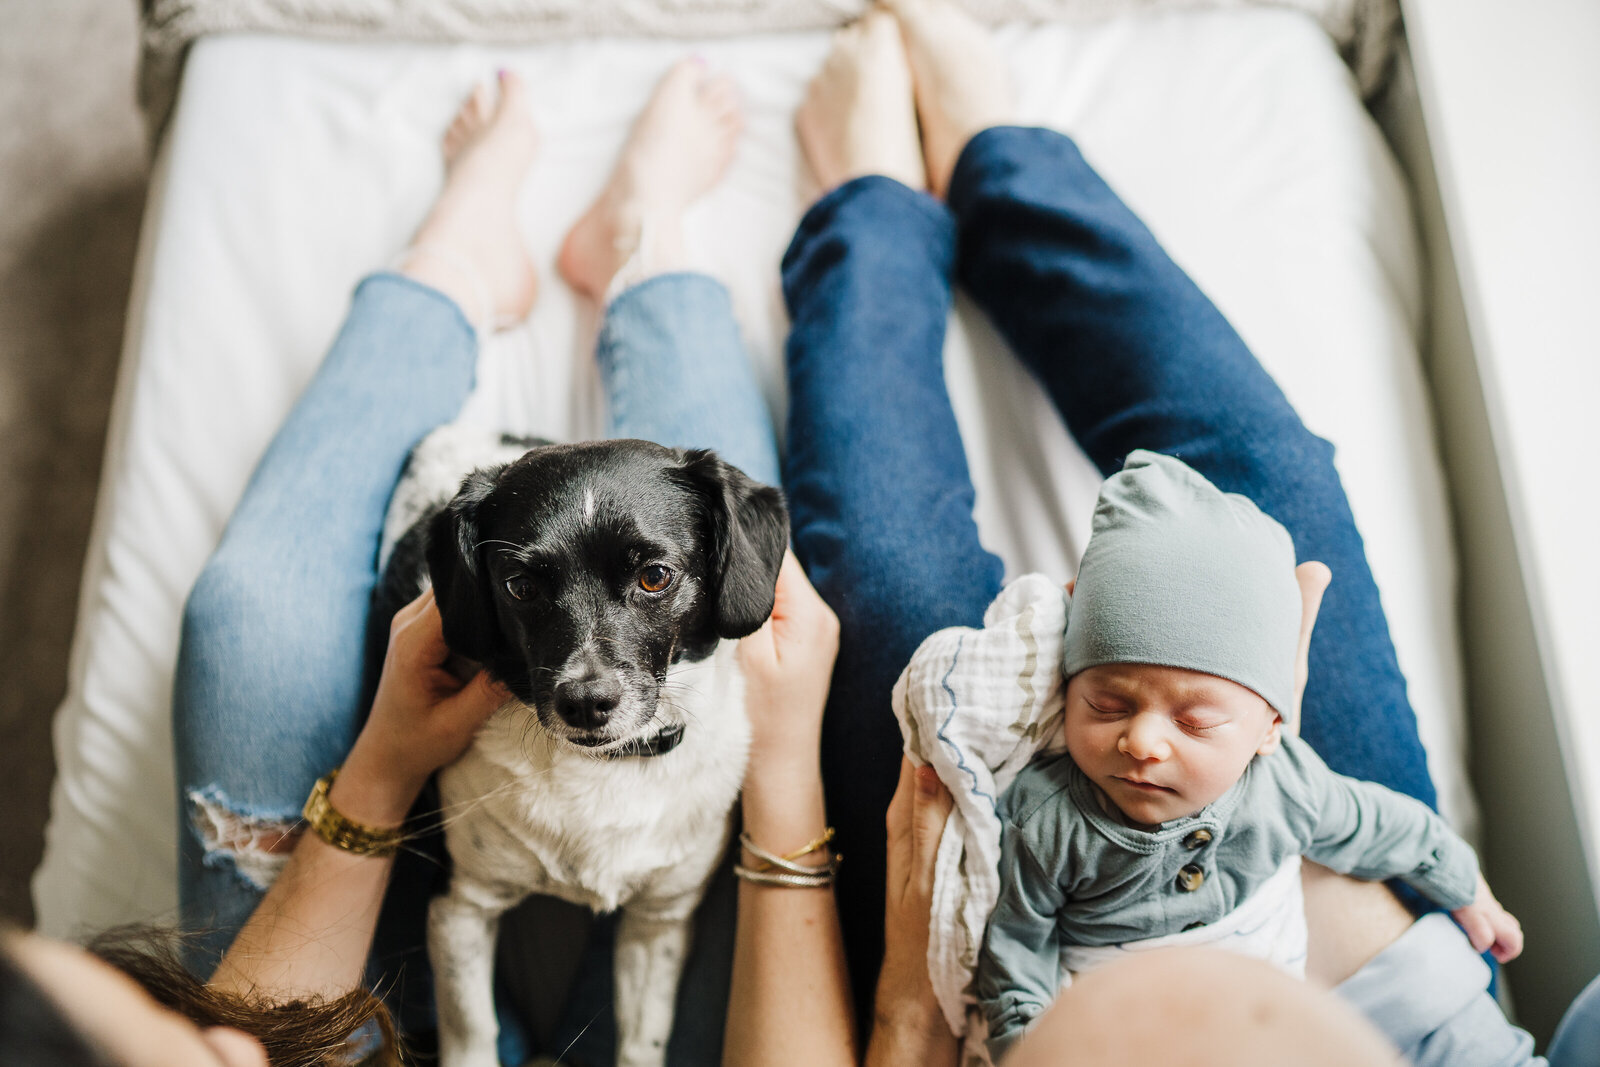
pixel 655 578
pixel 520 586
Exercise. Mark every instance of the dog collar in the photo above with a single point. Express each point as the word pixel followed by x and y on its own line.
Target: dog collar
pixel 656 745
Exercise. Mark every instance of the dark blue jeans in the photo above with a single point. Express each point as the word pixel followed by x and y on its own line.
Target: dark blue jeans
pixel 1133 355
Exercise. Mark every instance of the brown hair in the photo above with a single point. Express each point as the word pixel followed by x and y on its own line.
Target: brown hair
pixel 353 1029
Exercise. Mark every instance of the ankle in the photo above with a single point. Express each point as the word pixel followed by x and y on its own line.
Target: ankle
pixel 455 275
pixel 651 245
pixel 621 245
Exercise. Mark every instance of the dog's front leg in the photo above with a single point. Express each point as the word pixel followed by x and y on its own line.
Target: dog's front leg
pixel 461 938
pixel 652 943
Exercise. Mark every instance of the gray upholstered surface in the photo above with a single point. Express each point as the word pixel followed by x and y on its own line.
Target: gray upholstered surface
pixel 72 185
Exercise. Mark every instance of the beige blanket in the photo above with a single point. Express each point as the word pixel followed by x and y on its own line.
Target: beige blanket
pixel 1364 30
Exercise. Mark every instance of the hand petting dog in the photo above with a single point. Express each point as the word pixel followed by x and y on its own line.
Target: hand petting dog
pixel 312 932
pixel 787 666
pixel 423 717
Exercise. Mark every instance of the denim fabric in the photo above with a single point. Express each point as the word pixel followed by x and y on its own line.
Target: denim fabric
pixel 1577 1040
pixel 1133 355
pixel 269 691
pixel 880 497
pixel 676 372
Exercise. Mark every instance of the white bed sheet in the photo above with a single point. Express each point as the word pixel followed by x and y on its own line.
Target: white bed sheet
pixel 292 167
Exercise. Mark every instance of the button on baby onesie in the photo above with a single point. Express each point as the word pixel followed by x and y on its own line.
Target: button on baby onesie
pixel 1190 878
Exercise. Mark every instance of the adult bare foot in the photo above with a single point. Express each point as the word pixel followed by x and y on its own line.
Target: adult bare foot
pixel 961 80
pixel 859 116
pixel 469 248
pixel 679 147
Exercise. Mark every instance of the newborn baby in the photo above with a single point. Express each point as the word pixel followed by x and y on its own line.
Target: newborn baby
pixel 1184 800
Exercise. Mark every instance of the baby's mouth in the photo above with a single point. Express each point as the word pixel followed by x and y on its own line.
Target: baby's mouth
pixel 1146 787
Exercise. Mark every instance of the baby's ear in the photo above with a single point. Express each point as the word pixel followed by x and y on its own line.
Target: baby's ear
pixel 1274 736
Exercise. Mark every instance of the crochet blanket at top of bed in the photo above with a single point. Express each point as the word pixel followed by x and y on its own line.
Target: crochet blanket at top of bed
pixel 1364 30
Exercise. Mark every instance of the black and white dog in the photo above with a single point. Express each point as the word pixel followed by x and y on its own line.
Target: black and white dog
pixel 602 583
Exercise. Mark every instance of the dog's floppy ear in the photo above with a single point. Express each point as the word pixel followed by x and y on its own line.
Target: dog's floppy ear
pixel 748 532
pixel 460 580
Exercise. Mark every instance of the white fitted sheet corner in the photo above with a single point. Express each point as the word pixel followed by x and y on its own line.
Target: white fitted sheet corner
pixel 291 168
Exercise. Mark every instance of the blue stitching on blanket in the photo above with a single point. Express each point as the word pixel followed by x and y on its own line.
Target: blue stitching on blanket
pixel 961 762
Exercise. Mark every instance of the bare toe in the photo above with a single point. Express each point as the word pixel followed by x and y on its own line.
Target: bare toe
pixel 469 121
pixel 724 96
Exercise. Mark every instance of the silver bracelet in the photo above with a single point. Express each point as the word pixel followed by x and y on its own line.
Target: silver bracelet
pixel 821 880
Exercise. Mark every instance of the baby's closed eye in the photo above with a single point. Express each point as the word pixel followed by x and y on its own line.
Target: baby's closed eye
pixel 1200 726
pixel 1107 709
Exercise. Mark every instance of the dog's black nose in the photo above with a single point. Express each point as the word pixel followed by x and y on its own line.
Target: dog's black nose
pixel 587 704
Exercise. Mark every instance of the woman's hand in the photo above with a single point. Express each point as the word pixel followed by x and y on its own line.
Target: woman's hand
pixel 788 665
pixel 791 990
pixel 310 935
pixel 908 1023
pixel 423 717
pixel 1489 926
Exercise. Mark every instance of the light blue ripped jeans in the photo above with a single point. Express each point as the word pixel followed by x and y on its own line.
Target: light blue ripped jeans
pixel 270 688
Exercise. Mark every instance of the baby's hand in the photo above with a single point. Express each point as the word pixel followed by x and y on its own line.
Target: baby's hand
pixel 1488 925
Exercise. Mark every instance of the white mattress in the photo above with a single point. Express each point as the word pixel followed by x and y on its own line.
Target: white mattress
pixel 291 168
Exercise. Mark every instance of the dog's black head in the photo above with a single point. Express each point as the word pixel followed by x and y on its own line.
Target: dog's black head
pixel 578 574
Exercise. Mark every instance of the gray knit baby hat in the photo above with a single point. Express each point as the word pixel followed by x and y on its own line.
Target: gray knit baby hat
pixel 1178 573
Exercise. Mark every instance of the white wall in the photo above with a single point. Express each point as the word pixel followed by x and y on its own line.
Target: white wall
pixel 1501 132
pixel 1512 98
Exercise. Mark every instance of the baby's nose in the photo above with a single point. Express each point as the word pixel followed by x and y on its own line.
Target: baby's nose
pixel 1144 740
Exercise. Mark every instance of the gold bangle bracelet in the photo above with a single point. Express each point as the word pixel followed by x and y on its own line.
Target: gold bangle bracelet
pixel 805 850
pixel 342 832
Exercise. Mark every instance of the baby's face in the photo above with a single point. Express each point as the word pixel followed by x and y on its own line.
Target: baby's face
pixel 1163 742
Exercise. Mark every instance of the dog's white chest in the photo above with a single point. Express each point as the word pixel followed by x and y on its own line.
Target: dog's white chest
pixel 525 813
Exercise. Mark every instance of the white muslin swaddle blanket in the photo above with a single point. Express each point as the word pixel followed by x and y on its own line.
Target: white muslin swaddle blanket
pixel 977 705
